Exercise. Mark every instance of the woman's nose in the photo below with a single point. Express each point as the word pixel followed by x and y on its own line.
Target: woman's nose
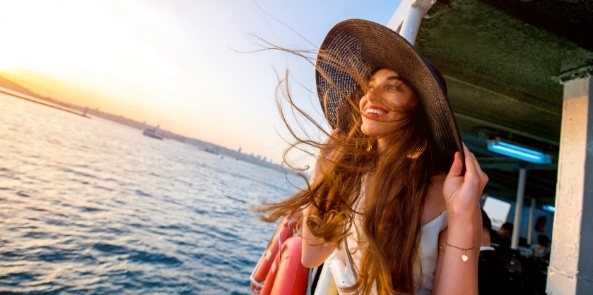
pixel 373 94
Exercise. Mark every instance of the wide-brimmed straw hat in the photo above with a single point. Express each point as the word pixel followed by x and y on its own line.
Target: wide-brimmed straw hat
pixel 356 47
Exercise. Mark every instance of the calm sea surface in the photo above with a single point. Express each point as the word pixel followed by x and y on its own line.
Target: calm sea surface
pixel 88 206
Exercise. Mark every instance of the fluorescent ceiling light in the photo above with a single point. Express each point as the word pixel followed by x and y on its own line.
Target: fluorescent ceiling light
pixel 518 152
pixel 549 208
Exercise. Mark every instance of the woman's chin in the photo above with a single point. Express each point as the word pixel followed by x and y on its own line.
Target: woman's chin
pixel 373 131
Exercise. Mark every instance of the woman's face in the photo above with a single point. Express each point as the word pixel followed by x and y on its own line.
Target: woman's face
pixel 383 106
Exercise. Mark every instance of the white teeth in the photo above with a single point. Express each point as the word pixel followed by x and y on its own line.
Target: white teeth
pixel 374 111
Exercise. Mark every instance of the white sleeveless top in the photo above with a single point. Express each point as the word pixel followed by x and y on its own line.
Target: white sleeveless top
pixel 342 270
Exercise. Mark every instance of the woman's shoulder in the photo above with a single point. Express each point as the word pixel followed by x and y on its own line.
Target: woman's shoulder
pixel 434 205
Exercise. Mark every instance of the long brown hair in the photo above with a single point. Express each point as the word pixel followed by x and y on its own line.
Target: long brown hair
pixel 398 182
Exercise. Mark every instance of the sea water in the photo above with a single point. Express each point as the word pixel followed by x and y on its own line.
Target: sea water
pixel 89 206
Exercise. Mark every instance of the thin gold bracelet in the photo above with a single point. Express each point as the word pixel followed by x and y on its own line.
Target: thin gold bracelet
pixel 464 257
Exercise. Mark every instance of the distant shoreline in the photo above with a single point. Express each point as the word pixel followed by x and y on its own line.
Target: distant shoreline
pixel 31 99
pixel 203 145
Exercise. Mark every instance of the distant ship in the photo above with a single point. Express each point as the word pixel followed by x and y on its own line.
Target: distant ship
pixel 151 132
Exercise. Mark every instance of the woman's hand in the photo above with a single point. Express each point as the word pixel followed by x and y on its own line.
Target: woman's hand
pixel 462 192
pixel 314 249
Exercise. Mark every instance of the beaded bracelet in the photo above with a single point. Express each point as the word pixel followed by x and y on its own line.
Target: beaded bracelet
pixel 464 257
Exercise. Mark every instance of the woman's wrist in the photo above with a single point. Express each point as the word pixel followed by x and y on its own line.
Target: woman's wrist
pixel 464 214
pixel 463 230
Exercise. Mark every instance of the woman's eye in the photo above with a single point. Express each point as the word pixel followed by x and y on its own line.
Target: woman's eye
pixel 394 85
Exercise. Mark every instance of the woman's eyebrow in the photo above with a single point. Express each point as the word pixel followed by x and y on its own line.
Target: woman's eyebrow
pixel 390 78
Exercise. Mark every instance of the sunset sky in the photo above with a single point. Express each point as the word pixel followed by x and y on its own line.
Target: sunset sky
pixel 178 63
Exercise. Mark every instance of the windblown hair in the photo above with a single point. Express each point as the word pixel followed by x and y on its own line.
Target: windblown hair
pixel 394 195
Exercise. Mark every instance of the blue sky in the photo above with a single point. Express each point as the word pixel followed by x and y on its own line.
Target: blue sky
pixel 177 63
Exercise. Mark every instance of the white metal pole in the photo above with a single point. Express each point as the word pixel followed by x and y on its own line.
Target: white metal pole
pixel 518 209
pixel 412 22
pixel 408 16
pixel 396 20
pixel 530 226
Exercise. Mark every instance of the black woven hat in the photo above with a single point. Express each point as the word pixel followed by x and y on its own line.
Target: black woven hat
pixel 356 47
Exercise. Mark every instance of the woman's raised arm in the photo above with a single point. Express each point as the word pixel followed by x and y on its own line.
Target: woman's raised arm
pixel 459 244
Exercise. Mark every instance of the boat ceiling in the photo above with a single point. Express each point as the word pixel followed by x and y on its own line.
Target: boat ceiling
pixel 503 60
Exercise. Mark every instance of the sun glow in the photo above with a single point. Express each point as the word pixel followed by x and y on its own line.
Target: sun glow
pixel 75 40
pixel 43 36
pixel 123 57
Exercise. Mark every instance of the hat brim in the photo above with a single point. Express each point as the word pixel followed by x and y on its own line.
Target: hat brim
pixel 362 46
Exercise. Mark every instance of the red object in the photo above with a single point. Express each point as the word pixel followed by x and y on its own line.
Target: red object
pixel 287 276
pixel 270 278
pixel 291 278
pixel 264 268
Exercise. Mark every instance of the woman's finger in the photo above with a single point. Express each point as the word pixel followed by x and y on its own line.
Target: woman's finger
pixel 474 171
pixel 457 165
pixel 469 163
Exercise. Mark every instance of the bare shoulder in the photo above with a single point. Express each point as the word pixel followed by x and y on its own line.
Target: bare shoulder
pixel 435 203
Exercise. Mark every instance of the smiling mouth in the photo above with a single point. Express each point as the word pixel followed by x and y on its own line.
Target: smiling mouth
pixel 374 112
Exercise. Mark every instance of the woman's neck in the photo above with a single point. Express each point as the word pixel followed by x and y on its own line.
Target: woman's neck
pixel 381 142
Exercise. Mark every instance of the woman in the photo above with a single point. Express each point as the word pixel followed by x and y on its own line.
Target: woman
pixel 392 196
